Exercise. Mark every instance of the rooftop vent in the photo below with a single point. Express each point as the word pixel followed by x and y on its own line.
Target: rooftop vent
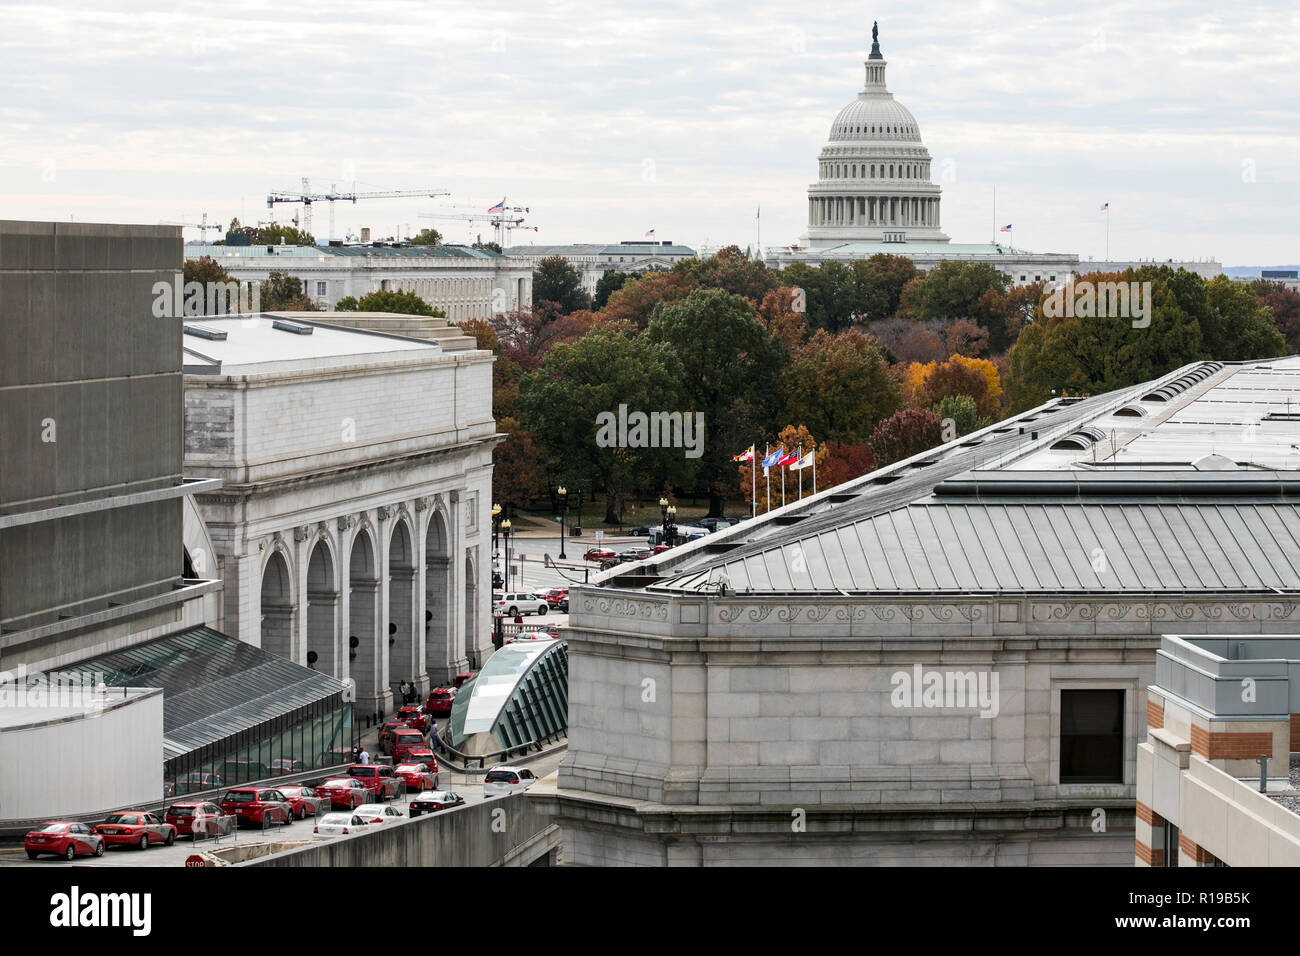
pixel 1131 411
pixel 297 328
pixel 1214 463
pixel 199 331
pixel 1081 440
pixel 1198 374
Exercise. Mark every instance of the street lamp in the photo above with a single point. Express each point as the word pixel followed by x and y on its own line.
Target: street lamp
pixel 663 519
pixel 670 526
pixel 564 498
pixel 505 535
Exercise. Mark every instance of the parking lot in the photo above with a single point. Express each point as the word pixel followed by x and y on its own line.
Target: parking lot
pixel 470 788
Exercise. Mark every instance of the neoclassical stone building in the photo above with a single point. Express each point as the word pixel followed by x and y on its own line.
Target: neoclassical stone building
pixel 353 534
pixel 945 661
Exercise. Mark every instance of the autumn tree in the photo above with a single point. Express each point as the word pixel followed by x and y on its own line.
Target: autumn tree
pixel 526 335
pixel 1284 303
pixel 1236 325
pixel 516 476
pixel 961 290
pixel 730 270
pixel 844 462
pixel 782 313
pixel 607 285
pixel 927 385
pixel 840 386
pixel 638 297
pixel 904 434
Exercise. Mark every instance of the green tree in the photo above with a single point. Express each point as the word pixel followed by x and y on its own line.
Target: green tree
pixel 961 411
pixel 427 237
pixel 730 270
pixel 1237 325
pixel 282 292
pixel 487 246
pixel 728 359
pixel 840 387
pixel 557 282
pixel 205 270
pixel 961 290
pixel 1284 303
pixel 607 285
pixel 403 303
pixel 564 401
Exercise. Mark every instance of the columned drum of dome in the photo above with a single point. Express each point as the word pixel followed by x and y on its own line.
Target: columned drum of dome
pixel 520 695
pixel 873 182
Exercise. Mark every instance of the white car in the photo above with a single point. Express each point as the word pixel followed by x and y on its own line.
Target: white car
pixel 338 824
pixel 504 780
pixel 511 605
pixel 374 813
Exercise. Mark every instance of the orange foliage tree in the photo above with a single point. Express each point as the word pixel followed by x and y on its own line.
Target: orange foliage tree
pixel 925 385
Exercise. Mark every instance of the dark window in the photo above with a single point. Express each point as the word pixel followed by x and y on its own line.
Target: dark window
pixel 1171 844
pixel 1092 736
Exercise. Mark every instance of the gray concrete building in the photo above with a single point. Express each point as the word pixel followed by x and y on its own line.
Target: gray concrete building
pixel 594 259
pixel 945 661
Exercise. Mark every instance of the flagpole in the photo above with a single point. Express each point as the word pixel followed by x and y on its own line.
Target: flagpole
pixel 814 454
pixel 801 472
pixel 1108 232
pixel 782 467
pixel 767 479
pixel 753 481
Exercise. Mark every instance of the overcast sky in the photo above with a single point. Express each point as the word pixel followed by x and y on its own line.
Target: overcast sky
pixel 608 119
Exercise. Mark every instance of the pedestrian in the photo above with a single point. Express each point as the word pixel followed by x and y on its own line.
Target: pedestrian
pixel 364 757
pixel 356 753
pixel 433 735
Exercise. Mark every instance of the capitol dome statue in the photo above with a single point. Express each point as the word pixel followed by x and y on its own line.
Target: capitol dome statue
pixel 873 181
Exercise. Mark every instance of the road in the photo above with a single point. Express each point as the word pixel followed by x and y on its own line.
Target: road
pixel 544 767
pixel 531 574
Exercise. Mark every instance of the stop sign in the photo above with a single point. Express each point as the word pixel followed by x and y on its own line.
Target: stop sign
pixel 195 860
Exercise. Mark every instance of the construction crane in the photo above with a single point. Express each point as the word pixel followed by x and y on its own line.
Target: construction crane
pixel 307 197
pixel 203 226
pixel 499 217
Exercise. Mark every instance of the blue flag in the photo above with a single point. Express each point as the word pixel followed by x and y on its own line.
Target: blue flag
pixel 773 458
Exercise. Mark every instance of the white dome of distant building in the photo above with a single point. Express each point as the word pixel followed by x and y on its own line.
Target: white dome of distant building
pixel 873 180
pixel 872 116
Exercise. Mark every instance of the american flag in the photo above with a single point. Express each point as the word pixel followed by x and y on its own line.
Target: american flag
pixel 650 234
pixel 1006 228
pixel 1105 206
pixel 499 207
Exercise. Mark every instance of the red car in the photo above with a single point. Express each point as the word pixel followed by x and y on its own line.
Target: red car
pixel 599 554
pixel 381 781
pixel 258 805
pixel 136 828
pixel 422 755
pixel 302 800
pixel 440 701
pixel 418 776
pixel 183 815
pixel 555 596
pixel 346 793
pixel 459 680
pixel 414 717
pixel 65 839
pixel 386 733
pixel 404 739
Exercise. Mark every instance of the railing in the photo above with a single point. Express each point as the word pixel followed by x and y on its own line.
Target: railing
pixel 468 761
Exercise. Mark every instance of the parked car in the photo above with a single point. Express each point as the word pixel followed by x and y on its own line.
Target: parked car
pixel 531 636
pixel 415 717
pixel 431 801
pixel 404 739
pixel 257 805
pixel 634 554
pixel 136 828
pixel 500 781
pixel 459 680
pixel 422 755
pixel 302 799
pixel 418 776
pixel 640 531
pixel 196 781
pixel 63 838
pixel 339 824
pixel 381 781
pixel 554 596
pixel 512 605
pixel 373 813
pixel 439 701
pixel 346 792
pixel 186 817
pixel 386 733
pixel 599 554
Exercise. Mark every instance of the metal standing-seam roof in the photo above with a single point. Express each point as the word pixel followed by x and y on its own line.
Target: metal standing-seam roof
pixel 213 686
